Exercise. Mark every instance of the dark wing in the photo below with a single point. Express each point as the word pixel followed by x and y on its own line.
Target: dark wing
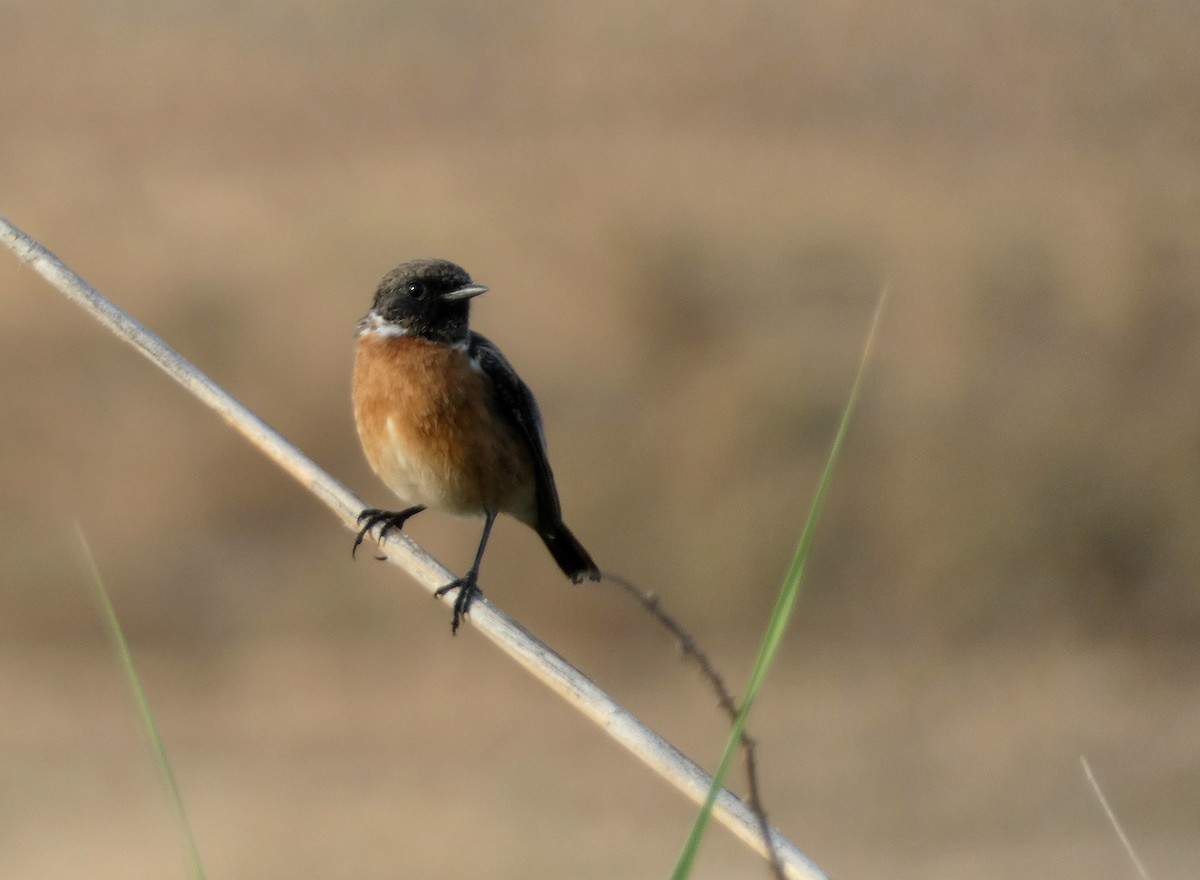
pixel 515 403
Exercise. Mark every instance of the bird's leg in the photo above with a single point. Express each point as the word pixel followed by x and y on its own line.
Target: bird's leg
pixel 391 519
pixel 468 586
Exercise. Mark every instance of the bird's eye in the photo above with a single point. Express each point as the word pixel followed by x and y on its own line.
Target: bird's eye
pixel 416 289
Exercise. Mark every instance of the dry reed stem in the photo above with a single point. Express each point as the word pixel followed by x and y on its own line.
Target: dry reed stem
pixel 503 631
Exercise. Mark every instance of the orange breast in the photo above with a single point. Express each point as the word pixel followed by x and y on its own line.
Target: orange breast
pixel 427 424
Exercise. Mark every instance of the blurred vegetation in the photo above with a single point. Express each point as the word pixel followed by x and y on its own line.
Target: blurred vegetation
pixel 685 213
pixel 685 217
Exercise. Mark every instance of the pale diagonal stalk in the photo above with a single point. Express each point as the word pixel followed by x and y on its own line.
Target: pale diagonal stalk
pixel 781 614
pixel 536 657
pixel 1113 820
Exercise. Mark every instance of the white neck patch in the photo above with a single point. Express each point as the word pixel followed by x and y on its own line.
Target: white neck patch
pixel 372 324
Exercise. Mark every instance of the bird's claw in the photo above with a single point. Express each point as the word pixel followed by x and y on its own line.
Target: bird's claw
pixel 373 516
pixel 468 590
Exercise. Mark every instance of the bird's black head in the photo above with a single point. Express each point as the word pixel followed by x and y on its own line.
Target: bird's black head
pixel 430 299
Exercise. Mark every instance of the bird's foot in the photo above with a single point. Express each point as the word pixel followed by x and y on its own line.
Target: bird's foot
pixel 391 519
pixel 467 591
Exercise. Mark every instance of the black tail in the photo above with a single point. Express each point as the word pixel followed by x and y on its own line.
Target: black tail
pixel 569 553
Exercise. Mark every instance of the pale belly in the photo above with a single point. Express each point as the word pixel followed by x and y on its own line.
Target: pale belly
pixel 446 450
pixel 428 480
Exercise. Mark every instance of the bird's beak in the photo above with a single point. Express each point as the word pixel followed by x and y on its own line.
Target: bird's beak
pixel 465 292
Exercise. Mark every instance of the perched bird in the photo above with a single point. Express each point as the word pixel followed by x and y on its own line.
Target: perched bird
pixel 446 422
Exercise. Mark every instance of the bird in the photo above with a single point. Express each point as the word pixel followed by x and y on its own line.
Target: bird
pixel 447 424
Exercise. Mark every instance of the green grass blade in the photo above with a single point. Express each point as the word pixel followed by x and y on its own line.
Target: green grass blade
pixel 780 615
pixel 113 625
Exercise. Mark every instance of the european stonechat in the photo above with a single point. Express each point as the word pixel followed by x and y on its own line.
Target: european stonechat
pixel 446 422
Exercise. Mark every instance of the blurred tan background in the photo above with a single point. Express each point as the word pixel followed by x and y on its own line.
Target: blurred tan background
pixel 686 213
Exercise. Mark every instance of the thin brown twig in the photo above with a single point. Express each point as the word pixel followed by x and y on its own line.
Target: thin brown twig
pixel 691 650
